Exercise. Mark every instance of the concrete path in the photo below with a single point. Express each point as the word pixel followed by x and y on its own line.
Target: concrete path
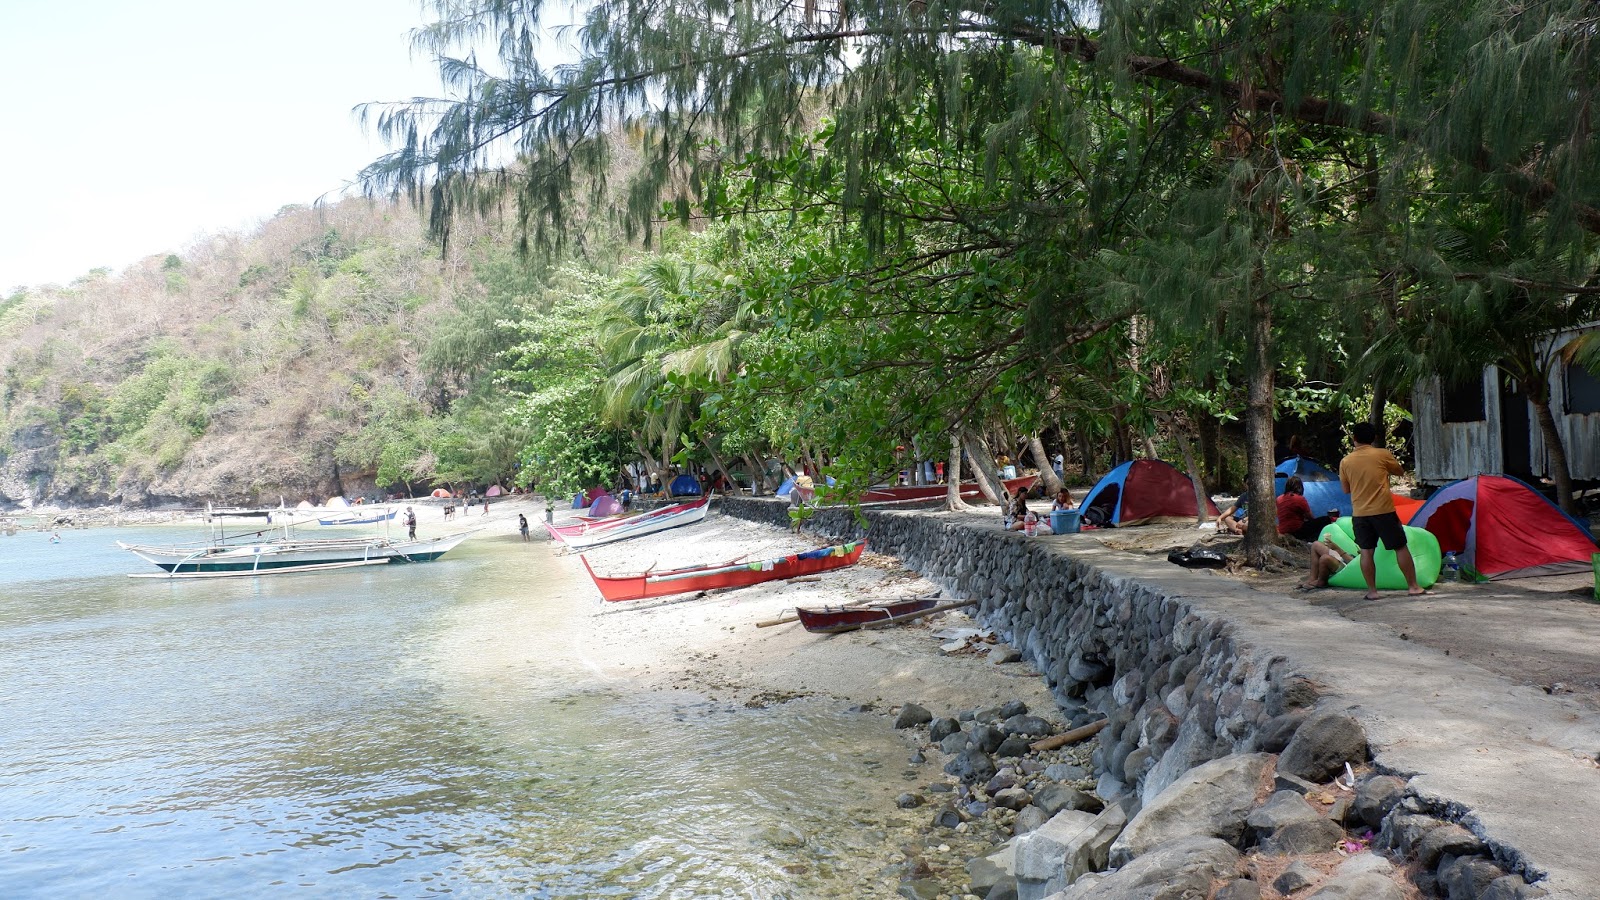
pixel 1519 762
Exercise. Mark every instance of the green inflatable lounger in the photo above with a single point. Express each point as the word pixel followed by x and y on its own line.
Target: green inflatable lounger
pixel 1424 552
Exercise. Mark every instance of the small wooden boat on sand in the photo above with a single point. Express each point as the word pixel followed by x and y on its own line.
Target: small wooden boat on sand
pixel 723 575
pixel 834 619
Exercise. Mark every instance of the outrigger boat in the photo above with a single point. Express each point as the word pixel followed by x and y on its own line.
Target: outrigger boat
pixel 253 553
pixel 593 534
pixel 834 619
pixel 707 577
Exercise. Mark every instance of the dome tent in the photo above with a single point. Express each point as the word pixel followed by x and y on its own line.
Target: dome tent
pixel 605 506
pixel 1140 492
pixel 1503 528
pixel 1322 489
pixel 684 485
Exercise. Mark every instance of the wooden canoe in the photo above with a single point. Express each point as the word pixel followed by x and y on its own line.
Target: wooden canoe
pixel 833 619
pixel 720 575
pixel 936 491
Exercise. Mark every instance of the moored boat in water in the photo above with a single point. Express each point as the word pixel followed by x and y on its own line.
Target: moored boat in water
pixel 707 577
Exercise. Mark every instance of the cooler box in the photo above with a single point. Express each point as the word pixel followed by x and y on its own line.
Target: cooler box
pixel 1065 521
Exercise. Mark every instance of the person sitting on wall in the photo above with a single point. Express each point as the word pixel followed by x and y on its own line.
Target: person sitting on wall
pixel 1294 513
pixel 1236 518
pixel 1326 561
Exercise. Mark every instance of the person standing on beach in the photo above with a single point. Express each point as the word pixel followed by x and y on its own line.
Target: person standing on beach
pixel 522 526
pixel 1364 474
pixel 411 523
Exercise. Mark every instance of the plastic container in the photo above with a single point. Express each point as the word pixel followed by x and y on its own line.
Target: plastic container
pixel 1452 566
pixel 1065 521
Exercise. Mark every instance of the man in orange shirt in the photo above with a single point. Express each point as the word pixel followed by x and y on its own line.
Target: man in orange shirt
pixel 1364 475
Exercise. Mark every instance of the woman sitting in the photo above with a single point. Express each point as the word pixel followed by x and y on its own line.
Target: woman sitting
pixel 1026 520
pixel 1294 513
pixel 1326 561
pixel 1236 518
pixel 1063 501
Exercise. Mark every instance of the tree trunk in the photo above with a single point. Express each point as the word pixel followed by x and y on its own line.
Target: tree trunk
pixel 1263 529
pixel 1052 483
pixel 1380 399
pixel 758 476
pixel 1150 448
pixel 1556 452
pixel 1086 456
pixel 952 475
pixel 1181 434
pixel 983 469
pixel 718 461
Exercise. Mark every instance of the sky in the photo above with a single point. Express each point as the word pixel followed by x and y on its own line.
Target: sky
pixel 133 128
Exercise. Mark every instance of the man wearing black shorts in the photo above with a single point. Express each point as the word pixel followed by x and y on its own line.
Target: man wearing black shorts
pixel 1364 475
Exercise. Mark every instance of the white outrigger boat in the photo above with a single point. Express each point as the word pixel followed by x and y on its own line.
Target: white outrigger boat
pixel 594 534
pixel 255 554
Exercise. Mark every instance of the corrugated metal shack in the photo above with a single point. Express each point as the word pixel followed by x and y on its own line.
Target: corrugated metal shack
pixel 1486 426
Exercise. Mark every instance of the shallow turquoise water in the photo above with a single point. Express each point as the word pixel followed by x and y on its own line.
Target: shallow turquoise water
pixel 396 731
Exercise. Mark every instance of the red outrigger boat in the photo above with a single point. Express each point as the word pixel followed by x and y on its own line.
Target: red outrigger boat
pixel 834 619
pixel 906 493
pixel 724 575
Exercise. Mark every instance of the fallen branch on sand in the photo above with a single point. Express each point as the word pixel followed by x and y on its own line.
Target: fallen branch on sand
pixel 1069 737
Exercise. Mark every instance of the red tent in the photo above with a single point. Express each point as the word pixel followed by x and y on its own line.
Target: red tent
pixel 1144 490
pixel 1502 528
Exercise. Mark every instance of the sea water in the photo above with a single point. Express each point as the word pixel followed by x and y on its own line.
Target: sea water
pixel 395 731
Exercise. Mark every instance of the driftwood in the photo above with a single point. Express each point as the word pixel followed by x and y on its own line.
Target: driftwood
pixel 784 620
pixel 1070 737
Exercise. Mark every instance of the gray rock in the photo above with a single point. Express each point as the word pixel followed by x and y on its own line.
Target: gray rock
pixel 1322 745
pixel 1041 862
pixel 1376 796
pixel 1278 731
pixel 1002 779
pixel 1511 887
pixel 1195 746
pixel 912 715
pixel 1239 889
pixel 1137 763
pixel 984 872
pixel 1316 835
pixel 1065 772
pixel 1109 787
pixel 946 818
pixel 1001 654
pixel 1028 819
pixel 1283 781
pixel 1280 809
pixel 1212 800
pixel 1451 839
pixel 1359 886
pixel 1467 877
pixel 939 729
pixel 1013 798
pixel 971 765
pixel 1053 798
pixel 1012 747
pixel 1298 876
pixel 955 743
pixel 1177 870
pixel 1403 831
pixel 1005 890
pixel 939 787
pixel 1025 724
pixel 1012 708
pixel 976 808
pixel 908 801
pixel 988 738
pixel 1088 669
pixel 1366 862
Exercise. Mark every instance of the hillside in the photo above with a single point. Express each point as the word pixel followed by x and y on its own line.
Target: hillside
pixel 295 361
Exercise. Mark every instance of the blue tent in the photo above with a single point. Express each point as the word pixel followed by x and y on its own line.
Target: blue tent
pixel 788 485
pixel 1322 484
pixel 684 485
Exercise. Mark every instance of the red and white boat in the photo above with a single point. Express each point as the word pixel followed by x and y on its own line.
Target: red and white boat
pixel 582 536
pixel 906 493
pixel 835 619
pixel 724 575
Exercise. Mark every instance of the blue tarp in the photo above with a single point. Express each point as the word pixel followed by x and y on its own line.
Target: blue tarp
pixel 684 485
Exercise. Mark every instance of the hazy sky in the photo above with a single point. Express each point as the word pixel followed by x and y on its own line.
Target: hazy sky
pixel 133 127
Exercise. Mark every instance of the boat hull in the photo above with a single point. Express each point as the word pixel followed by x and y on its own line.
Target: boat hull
pixel 646 523
pixel 832 620
pixel 689 580
pixel 269 557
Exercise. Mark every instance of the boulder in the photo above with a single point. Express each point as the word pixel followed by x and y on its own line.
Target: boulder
pixel 1025 725
pixel 1280 809
pixel 1005 890
pixel 1238 889
pixel 1194 746
pixel 1212 800
pixel 1298 876
pixel 1041 858
pixel 984 872
pixel 909 800
pixel 1028 819
pixel 971 766
pixel 988 738
pixel 1053 798
pixel 1013 746
pixel 1013 798
pixel 1467 877
pixel 1511 887
pixel 1322 745
pixel 1316 835
pixel 1451 839
pixel 939 729
pixel 955 742
pixel 1376 796
pixel 1012 708
pixel 1366 862
pixel 1177 870
pixel 1359 886
pixel 1404 831
pixel 1065 772
pixel 1278 731
pixel 912 715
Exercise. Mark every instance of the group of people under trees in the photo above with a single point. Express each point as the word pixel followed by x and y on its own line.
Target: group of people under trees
pixel 1363 474
pixel 1017 517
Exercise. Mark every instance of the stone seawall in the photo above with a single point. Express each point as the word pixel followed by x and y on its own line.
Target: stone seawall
pixel 1177 687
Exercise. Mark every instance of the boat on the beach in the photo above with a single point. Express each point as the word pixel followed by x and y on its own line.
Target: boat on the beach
pixel 913 492
pixel 582 536
pixel 358 515
pixel 276 550
pixel 647 585
pixel 834 619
